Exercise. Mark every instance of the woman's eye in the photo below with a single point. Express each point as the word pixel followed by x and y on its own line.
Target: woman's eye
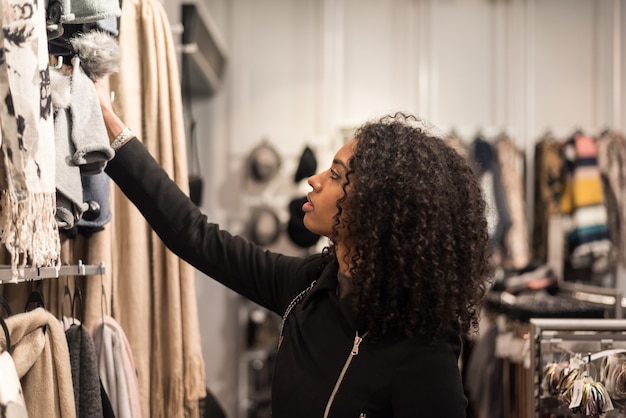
pixel 334 175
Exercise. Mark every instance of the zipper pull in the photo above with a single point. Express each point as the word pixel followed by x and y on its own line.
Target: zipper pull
pixel 355 347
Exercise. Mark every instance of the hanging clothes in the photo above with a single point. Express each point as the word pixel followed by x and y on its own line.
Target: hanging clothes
pixel 11 395
pixel 42 360
pixel 69 196
pixel 116 368
pixel 498 214
pixel 84 369
pixel 583 208
pixel 612 163
pixel 88 133
pixel 517 251
pixel 548 186
pixel 27 225
pixel 484 377
pixel 154 292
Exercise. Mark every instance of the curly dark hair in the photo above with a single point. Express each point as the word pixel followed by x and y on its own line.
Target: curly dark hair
pixel 415 215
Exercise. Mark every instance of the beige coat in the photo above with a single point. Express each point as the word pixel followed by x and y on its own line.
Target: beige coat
pixel 42 361
pixel 154 292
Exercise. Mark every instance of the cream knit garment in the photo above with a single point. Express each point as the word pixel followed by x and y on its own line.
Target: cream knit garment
pixel 27 202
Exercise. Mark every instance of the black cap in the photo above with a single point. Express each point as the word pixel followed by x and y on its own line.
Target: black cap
pixel 307 165
pixel 296 230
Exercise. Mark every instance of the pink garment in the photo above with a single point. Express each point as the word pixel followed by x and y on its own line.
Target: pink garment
pixel 585 147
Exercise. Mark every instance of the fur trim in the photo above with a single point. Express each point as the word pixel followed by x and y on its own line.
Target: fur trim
pixel 60 85
pixel 99 53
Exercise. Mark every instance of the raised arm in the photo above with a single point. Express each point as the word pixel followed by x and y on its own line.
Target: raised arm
pixel 262 276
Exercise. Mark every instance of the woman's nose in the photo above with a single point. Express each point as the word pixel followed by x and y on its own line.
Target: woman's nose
pixel 314 181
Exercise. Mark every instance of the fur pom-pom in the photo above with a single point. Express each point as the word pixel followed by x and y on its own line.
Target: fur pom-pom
pixel 99 53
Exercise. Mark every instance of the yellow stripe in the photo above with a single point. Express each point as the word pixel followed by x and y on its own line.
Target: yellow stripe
pixel 587 192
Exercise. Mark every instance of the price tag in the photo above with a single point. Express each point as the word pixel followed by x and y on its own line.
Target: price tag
pixel 575 363
pixel 608 405
pixel 577 394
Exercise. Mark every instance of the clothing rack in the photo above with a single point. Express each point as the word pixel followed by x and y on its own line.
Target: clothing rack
pixel 553 337
pixel 8 275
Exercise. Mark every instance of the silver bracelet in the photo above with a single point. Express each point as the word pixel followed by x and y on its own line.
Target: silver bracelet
pixel 122 138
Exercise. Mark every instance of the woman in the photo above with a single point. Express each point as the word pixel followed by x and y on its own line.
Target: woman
pixel 372 326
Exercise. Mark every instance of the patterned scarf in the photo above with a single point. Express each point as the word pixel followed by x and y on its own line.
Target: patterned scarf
pixel 27 199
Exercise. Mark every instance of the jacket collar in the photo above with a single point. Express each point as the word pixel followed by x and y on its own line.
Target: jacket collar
pixel 327 282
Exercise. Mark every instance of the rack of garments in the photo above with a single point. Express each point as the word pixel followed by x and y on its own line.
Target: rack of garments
pixel 61 193
pixel 498 369
pixel 577 368
pixel 58 365
pixel 577 180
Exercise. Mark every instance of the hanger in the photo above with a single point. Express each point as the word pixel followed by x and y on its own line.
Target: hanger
pixel 35 297
pixel 480 135
pixel 67 293
pixel 577 131
pixel 103 298
pixel 73 298
pixel 5 305
pixel 605 131
pixel 78 297
pixel 7 335
pixel 59 64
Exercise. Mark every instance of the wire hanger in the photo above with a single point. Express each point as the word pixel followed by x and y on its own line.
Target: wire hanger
pixel 35 297
pixel 6 306
pixel 7 335
pixel 72 297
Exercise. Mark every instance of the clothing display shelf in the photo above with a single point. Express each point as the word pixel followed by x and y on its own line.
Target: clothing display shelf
pixel 8 275
pixel 608 296
pixel 591 341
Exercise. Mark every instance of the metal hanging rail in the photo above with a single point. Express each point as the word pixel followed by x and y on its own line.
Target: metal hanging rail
pixel 9 275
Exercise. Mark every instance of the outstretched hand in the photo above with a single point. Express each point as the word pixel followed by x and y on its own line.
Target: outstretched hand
pixel 113 123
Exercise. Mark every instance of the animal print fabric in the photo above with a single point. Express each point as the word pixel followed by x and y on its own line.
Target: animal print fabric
pixel 27 200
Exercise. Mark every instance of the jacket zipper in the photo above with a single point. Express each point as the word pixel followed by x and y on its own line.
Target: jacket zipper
pixel 354 352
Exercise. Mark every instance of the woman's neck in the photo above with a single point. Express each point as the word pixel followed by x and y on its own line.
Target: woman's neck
pixel 344 277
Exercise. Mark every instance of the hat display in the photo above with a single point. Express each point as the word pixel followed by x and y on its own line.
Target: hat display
pixel 85 11
pixel 306 166
pixel 296 230
pixel 263 163
pixel 264 226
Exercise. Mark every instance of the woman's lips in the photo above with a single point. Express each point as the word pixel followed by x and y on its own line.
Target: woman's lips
pixel 307 206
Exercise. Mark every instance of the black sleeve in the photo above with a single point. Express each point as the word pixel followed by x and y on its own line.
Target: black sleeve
pixel 265 277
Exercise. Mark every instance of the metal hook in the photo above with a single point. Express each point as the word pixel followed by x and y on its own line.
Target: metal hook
pixel 59 62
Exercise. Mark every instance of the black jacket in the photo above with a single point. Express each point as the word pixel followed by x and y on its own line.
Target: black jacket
pixel 390 377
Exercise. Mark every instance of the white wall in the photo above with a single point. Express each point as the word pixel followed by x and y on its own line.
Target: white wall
pixel 301 70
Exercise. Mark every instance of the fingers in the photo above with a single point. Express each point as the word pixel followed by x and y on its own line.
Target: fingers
pixel 104 94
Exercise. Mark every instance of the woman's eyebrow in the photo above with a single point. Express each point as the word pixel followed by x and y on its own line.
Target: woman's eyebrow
pixel 341 163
